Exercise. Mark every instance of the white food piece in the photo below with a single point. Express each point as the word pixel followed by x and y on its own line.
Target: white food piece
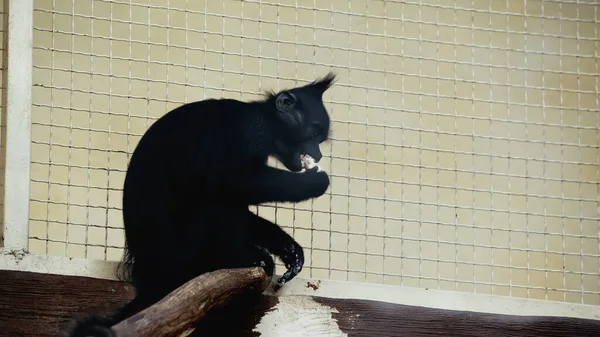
pixel 308 162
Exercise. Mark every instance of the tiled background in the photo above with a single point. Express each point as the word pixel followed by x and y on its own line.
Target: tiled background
pixel 466 144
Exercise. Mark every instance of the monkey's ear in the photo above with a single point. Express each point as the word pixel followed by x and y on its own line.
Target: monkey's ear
pixel 285 104
pixel 285 101
pixel 324 83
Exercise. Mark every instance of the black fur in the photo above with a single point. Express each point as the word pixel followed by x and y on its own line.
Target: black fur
pixel 91 325
pixel 191 179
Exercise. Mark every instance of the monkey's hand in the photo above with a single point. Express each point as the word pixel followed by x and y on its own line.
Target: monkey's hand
pixel 315 183
pixel 293 258
pixel 318 180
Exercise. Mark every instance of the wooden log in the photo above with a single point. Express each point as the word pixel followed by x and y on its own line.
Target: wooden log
pixel 176 313
pixel 37 305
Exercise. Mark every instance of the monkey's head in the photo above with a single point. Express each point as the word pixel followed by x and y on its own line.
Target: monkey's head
pixel 301 122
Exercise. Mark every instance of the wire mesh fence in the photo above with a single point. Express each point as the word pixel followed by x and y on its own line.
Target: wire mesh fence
pixel 465 150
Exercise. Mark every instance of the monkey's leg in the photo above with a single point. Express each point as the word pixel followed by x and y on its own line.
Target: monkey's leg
pixel 269 235
pixel 261 257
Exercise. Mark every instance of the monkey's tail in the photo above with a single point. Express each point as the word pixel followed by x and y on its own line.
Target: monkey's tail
pixel 89 326
pixel 125 266
pixel 96 325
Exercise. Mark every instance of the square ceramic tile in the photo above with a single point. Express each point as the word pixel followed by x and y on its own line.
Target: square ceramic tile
pixel 77 251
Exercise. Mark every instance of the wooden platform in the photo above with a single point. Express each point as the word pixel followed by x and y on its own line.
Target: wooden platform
pixel 33 304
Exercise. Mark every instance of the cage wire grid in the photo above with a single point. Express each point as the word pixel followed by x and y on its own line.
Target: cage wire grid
pixel 465 153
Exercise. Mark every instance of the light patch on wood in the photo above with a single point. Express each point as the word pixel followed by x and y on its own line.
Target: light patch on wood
pixel 186 332
pixel 299 316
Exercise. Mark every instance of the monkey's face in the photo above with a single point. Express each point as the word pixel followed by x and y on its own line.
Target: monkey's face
pixel 303 125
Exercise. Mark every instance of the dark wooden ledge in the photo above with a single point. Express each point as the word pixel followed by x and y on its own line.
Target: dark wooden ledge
pixel 33 304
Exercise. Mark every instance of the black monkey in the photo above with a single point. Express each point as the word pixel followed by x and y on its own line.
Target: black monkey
pixel 191 179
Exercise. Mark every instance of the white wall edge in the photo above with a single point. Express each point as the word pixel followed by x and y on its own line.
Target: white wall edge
pixel 57 265
pixel 439 299
pixel 18 124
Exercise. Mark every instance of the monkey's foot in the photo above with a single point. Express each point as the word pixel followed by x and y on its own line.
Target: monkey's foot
pixel 293 257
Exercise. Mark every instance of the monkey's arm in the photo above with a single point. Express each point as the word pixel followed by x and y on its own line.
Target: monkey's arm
pixel 269 184
pixel 269 235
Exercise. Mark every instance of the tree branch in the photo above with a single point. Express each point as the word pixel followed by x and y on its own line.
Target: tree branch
pixel 175 314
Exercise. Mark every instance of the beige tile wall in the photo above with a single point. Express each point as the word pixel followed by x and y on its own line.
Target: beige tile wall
pixel 465 153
